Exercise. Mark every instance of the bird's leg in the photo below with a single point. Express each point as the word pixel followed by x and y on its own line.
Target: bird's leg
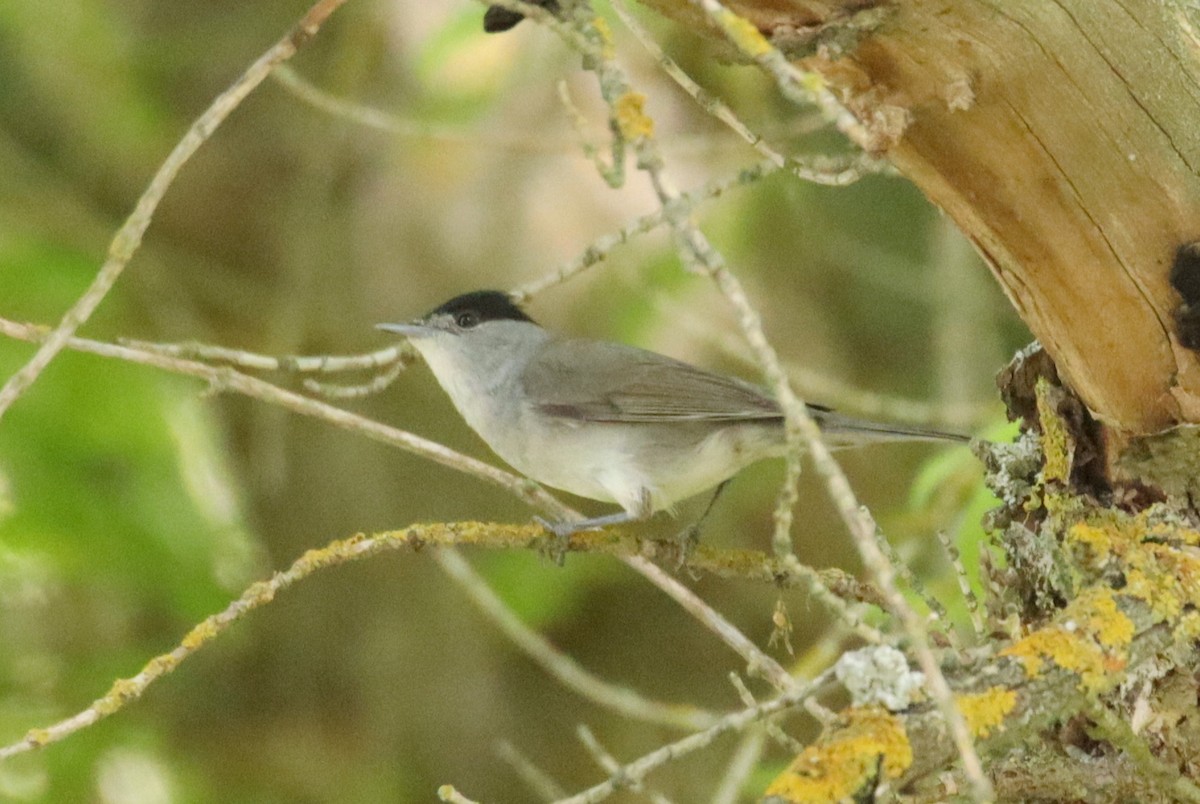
pixel 564 529
pixel 689 537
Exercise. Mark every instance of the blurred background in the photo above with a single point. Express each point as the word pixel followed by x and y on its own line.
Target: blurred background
pixel 132 504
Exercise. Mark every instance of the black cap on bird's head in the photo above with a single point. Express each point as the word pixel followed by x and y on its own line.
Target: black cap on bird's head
pixel 498 18
pixel 483 305
pixel 463 313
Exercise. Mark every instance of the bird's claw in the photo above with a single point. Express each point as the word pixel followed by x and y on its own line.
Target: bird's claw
pixel 556 549
pixel 686 542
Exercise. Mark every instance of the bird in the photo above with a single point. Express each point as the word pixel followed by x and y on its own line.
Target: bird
pixel 605 420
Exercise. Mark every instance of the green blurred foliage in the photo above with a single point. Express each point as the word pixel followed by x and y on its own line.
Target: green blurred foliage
pixel 132 504
pixel 120 521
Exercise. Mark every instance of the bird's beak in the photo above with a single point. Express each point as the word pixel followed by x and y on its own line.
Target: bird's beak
pixel 413 329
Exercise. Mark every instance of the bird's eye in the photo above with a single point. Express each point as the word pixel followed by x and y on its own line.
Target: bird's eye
pixel 466 320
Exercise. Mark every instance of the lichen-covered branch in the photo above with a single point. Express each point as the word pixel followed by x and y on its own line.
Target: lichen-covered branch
pixel 1105 608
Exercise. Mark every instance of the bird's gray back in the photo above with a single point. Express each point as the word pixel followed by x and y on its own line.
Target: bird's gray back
pixel 600 381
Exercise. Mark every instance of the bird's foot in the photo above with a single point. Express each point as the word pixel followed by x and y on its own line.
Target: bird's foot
pixel 686 542
pixel 564 530
pixel 556 548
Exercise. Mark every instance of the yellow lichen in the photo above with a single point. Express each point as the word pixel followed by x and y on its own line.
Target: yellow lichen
pixel 608 50
pixel 1165 577
pixel 1186 536
pixel 1160 566
pixel 985 711
pixel 631 116
pixel 259 592
pixel 1056 439
pixel 1032 650
pixel 844 759
pixel 743 34
pixel 161 665
pixel 203 632
pixel 1188 629
pixel 37 737
pixel 1098 540
pixel 121 691
pixel 1097 608
pixel 1090 641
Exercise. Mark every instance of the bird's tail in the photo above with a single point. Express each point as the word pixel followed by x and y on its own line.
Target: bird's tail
pixel 846 431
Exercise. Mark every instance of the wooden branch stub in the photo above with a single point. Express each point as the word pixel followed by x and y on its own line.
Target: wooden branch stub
pixel 1063 139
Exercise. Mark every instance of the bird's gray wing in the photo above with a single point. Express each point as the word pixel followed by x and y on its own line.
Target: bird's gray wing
pixel 607 382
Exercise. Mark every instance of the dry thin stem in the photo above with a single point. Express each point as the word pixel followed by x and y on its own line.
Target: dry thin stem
pixel 448 793
pixel 830 171
pixel 741 765
pixel 804 87
pixel 222 378
pixel 389 362
pixel 799 86
pixel 613 171
pixel 757 662
pixel 915 584
pixel 375 385
pixel 541 783
pixel 129 237
pixel 738 721
pixel 620 699
pixel 964 584
pixel 369 117
pixel 127 690
pixel 600 248
pixel 609 763
pixel 814 708
pixel 401 353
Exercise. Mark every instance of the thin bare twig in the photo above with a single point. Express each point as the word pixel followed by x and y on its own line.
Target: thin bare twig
pixel 448 793
pixel 541 783
pixel 826 170
pixel 129 237
pixel 797 85
pixel 223 378
pixel 964 584
pixel 738 721
pixel 759 663
pixel 369 117
pixel 772 729
pixel 806 87
pixel 620 699
pixel 599 249
pixel 609 763
pixel 126 690
pixel 401 353
pixel 741 765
